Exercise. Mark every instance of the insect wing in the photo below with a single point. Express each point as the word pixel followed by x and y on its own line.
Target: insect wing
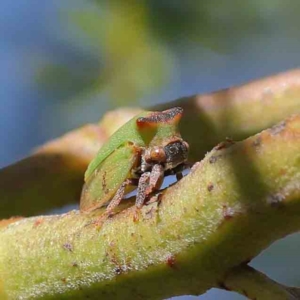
pixel 129 132
pixel 107 178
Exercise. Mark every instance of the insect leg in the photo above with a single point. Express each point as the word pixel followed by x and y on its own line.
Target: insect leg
pixel 119 195
pixel 156 178
pixel 149 182
pixel 179 169
pixel 115 201
pixel 141 190
pixel 179 176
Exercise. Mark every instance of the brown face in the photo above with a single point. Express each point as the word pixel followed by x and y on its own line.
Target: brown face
pixel 170 155
pixel 176 154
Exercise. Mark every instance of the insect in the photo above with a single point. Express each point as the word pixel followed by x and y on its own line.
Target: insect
pixel 140 153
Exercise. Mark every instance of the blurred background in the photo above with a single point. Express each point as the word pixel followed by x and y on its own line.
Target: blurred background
pixel 64 63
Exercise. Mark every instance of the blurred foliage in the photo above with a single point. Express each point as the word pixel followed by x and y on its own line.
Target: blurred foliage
pixel 136 44
pixel 133 60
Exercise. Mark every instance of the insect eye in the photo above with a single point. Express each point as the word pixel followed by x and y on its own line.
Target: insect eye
pixel 186 145
pixel 172 149
pixel 158 154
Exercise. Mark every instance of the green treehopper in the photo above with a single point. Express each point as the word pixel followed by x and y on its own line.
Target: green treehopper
pixel 140 153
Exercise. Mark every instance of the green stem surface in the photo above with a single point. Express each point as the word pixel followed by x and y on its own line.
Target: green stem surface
pixel 255 285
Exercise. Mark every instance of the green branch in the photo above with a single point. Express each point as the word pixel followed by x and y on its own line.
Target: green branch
pixel 237 112
pixel 56 169
pixel 236 202
pixel 255 285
